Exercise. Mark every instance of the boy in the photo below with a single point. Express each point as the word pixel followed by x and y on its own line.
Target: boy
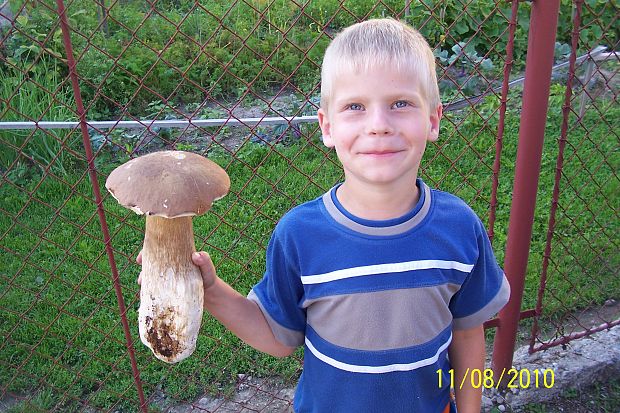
pixel 383 280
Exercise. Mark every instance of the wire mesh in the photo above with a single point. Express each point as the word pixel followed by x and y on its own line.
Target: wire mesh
pixel 68 292
pixel 580 258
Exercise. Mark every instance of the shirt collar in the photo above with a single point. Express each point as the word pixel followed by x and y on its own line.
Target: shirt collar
pixel 390 227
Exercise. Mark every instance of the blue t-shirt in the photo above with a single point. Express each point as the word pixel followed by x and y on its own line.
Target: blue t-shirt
pixel 375 302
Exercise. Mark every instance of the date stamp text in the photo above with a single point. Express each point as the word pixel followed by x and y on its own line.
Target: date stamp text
pixel 485 378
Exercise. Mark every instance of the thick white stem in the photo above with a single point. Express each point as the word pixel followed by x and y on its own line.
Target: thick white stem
pixel 171 293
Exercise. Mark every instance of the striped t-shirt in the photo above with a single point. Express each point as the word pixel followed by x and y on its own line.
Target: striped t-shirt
pixel 375 302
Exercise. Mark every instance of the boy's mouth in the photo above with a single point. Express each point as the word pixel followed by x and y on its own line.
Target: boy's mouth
pixel 381 152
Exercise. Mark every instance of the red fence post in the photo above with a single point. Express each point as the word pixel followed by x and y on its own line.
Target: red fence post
pixel 538 67
pixel 95 185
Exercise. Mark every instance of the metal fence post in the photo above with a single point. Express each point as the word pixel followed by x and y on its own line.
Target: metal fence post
pixel 539 63
pixel 64 24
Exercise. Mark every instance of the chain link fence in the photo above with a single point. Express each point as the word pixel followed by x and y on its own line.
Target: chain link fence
pixel 86 86
pixel 580 259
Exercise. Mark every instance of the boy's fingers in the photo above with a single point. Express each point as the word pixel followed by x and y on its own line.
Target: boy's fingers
pixel 203 261
pixel 139 261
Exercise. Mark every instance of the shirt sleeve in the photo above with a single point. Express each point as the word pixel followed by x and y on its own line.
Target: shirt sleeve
pixel 280 293
pixel 485 290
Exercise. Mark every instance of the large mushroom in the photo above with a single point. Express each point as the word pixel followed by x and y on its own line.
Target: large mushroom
pixel 169 187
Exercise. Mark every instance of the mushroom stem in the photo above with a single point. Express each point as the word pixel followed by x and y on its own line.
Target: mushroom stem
pixel 171 294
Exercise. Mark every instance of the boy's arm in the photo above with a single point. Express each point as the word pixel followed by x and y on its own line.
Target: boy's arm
pixel 241 316
pixel 467 351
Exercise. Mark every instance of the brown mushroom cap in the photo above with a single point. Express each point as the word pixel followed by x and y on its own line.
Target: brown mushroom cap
pixel 169 184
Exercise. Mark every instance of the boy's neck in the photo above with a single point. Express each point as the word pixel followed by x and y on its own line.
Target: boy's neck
pixel 377 202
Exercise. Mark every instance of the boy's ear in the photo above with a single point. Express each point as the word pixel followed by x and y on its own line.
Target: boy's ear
pixel 325 126
pixel 435 118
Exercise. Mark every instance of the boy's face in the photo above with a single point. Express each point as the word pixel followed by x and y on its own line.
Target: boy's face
pixel 379 122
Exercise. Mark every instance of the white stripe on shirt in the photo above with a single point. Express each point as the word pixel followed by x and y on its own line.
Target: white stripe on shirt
pixel 385 269
pixel 377 369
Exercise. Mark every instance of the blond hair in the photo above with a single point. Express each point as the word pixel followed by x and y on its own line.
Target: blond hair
pixel 376 42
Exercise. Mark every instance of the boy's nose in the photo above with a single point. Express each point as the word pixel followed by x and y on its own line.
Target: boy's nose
pixel 378 123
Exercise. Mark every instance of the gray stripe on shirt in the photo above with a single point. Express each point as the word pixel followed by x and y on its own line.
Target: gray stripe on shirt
pixel 486 312
pixel 286 336
pixel 382 320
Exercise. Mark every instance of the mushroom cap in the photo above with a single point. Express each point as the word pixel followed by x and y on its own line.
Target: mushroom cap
pixel 168 184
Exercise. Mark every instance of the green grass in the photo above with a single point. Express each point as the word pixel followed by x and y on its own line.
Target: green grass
pixel 64 343
pixel 60 315
pixel 36 93
pixel 601 397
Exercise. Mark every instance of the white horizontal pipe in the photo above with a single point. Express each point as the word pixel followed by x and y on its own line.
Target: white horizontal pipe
pixel 172 123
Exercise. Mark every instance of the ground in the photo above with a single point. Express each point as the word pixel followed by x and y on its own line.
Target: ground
pixel 586 378
pixel 602 397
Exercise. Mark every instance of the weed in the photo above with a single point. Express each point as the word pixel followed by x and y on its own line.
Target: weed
pixel 36 93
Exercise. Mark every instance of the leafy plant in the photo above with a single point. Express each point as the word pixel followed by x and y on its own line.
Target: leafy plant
pixel 181 52
pixel 36 92
pixel 466 57
pixel 561 51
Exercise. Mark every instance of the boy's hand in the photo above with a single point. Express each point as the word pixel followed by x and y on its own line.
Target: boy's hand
pixel 202 260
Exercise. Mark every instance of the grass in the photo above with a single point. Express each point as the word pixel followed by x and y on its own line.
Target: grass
pixel 64 345
pixel 596 398
pixel 36 93
pixel 59 310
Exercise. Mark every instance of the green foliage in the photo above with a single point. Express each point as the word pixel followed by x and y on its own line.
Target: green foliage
pixel 35 92
pixel 180 52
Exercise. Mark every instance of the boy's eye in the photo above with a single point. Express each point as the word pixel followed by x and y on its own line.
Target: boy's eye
pixel 355 106
pixel 401 104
